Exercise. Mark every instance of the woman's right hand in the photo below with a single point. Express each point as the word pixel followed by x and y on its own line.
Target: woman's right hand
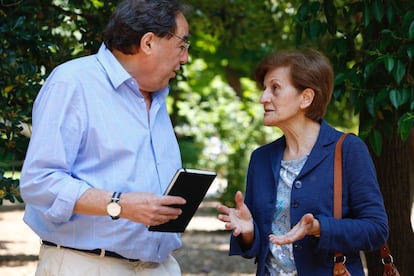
pixel 238 219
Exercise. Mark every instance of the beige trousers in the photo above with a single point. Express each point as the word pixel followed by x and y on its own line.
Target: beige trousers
pixel 55 261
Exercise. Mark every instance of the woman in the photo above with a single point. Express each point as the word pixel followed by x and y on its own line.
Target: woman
pixel 286 220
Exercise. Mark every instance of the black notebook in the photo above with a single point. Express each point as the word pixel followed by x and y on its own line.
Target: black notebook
pixel 192 185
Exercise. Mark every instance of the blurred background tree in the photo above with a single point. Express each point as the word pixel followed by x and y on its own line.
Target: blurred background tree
pixel 214 103
pixel 36 36
pixel 371 44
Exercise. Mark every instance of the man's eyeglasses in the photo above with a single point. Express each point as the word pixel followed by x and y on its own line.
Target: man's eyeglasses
pixel 185 40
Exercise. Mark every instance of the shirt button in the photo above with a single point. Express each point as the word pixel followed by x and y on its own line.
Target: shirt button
pixel 298 184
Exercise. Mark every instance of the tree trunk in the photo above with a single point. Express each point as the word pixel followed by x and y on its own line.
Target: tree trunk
pixel 393 170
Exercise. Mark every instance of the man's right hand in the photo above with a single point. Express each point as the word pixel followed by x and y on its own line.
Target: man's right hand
pixel 146 208
pixel 150 209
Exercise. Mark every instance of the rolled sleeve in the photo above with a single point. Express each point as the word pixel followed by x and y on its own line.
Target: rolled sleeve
pixel 62 208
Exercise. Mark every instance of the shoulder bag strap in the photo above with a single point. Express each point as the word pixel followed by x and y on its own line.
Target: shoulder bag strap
pixel 339 258
pixel 338 177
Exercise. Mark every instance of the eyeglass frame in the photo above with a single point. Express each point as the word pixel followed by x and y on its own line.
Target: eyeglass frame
pixel 185 40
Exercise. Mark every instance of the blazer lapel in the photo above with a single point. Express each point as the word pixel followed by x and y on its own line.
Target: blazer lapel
pixel 275 156
pixel 322 148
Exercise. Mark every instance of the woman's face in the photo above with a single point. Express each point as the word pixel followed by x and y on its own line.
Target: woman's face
pixel 280 99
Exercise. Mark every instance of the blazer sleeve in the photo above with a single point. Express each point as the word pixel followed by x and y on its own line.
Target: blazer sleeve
pixel 364 224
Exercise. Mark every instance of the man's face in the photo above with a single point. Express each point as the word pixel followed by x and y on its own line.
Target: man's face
pixel 172 53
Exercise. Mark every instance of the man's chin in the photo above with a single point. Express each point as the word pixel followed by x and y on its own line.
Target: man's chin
pixel 174 77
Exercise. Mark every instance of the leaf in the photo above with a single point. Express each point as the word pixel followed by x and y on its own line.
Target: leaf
pixel 338 44
pixel 378 10
pixel 330 14
pixel 369 69
pixel 410 51
pixel 411 30
pixel 393 98
pixel 371 105
pixel 408 18
pixel 399 97
pixel 8 88
pixel 390 14
pixel 405 124
pixel 399 71
pixel 314 8
pixel 375 140
pixel 303 12
pixel 389 64
pixel 315 30
pixel 367 15
pixel 19 22
pixel 339 79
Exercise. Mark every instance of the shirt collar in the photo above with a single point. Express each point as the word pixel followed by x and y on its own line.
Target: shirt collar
pixel 114 70
pixel 117 74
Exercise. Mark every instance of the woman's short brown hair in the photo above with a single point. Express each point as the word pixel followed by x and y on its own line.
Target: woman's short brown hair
pixel 308 69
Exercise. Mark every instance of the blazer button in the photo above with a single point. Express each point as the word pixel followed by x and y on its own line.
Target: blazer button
pixel 295 204
pixel 297 246
pixel 298 184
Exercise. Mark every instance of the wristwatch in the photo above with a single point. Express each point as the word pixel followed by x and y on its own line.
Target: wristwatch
pixel 113 208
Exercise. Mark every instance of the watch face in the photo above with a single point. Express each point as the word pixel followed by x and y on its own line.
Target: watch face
pixel 113 209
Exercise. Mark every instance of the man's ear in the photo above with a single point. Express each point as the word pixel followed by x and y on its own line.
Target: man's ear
pixel 307 97
pixel 147 42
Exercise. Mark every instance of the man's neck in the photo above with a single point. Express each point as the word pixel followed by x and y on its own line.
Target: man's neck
pixel 148 98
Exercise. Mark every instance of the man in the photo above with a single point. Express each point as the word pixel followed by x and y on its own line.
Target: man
pixel 103 150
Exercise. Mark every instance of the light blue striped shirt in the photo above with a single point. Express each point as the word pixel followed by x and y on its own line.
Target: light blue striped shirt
pixel 91 129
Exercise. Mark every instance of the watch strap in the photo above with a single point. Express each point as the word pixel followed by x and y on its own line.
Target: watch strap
pixel 116 196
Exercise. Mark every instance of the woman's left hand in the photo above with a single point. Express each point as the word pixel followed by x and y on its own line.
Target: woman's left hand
pixel 308 225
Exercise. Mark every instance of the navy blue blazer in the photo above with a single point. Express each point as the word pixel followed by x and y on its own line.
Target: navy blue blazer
pixel 363 226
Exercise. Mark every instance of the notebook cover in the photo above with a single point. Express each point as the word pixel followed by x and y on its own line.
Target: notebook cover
pixel 192 185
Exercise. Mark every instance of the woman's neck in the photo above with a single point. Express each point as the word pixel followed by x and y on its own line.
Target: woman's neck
pixel 300 140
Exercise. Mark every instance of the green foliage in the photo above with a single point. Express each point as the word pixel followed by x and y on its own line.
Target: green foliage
pixel 9 189
pixel 231 36
pixel 39 35
pixel 371 44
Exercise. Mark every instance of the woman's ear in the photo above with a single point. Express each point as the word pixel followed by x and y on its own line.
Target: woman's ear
pixel 307 97
pixel 147 42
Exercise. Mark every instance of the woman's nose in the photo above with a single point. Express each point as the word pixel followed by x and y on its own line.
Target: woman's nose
pixel 265 97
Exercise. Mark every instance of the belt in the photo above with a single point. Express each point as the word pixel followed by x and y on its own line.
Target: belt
pixel 100 252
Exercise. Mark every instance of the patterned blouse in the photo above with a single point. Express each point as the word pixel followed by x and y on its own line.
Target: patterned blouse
pixel 281 262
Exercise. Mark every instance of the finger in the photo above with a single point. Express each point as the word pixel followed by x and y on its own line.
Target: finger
pixel 161 220
pixel 307 219
pixel 173 200
pixel 224 218
pixel 238 198
pixel 229 226
pixel 223 209
pixel 280 240
pixel 236 232
pixel 169 212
